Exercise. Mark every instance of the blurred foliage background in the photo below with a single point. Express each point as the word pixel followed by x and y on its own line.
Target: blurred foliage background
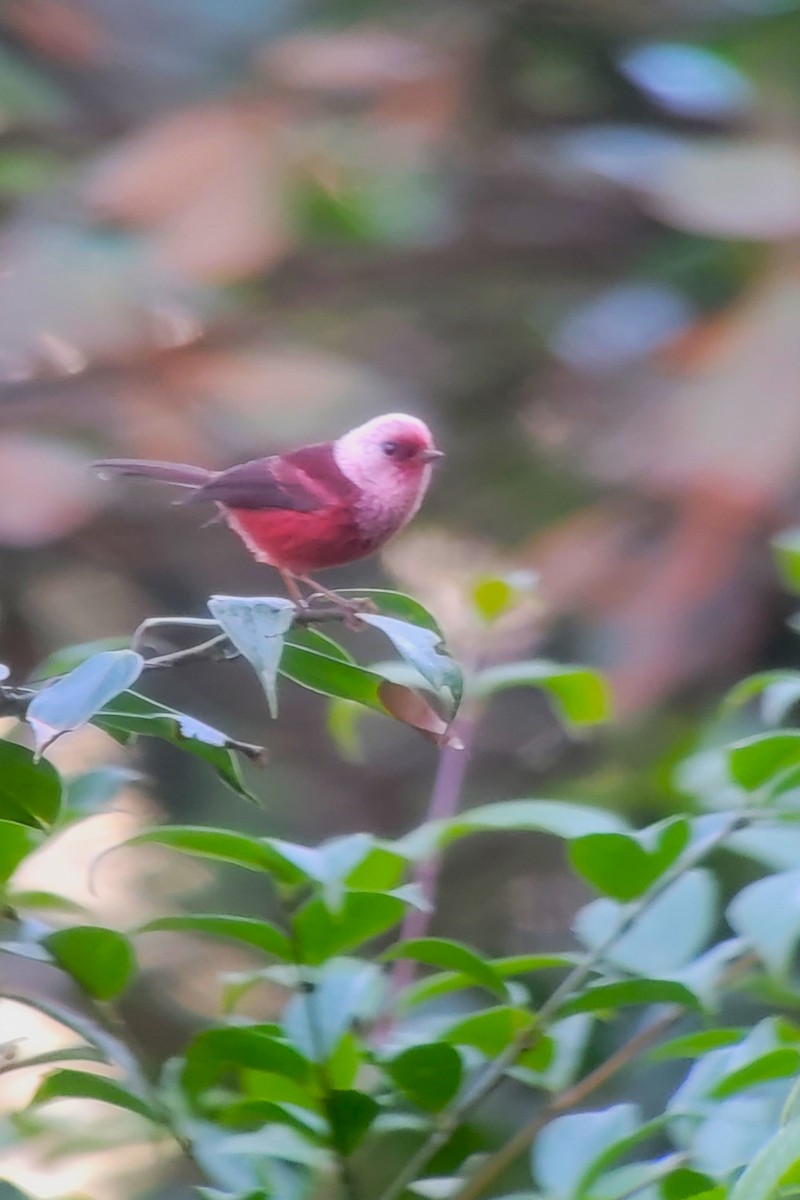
pixel 565 232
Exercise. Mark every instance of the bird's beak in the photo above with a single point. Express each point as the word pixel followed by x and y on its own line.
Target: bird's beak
pixel 431 455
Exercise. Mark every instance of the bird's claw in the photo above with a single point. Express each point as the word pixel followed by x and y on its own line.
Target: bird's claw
pixel 362 604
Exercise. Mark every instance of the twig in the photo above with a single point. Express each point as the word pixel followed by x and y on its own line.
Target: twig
pixel 444 803
pixel 316 615
pixel 574 1095
pixel 493 1076
pixel 176 657
pixel 569 1099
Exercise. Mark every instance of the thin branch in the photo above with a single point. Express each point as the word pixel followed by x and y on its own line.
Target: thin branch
pixel 444 803
pixel 316 615
pixel 579 1091
pixel 567 1100
pixel 495 1072
pixel 177 657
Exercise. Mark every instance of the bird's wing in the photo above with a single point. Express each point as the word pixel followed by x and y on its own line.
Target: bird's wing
pixel 265 483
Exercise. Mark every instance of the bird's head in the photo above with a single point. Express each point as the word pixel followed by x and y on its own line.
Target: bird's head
pixel 393 452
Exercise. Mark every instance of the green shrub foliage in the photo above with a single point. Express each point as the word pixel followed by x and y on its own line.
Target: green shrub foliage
pixel 370 1065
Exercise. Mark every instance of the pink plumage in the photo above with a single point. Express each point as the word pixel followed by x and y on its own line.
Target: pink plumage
pixel 321 506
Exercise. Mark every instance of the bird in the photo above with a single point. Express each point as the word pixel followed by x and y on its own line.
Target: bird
pixel 323 505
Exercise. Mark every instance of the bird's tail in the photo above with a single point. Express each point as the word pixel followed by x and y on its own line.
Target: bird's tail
pixel 179 474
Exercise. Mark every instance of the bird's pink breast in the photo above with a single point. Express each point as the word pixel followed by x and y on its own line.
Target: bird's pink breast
pixel 302 542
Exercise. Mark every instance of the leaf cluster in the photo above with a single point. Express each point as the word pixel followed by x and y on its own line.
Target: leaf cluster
pixel 361 1055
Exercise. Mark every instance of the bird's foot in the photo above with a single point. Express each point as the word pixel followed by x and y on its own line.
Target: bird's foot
pixel 358 604
pixel 362 604
pixel 356 608
pixel 351 609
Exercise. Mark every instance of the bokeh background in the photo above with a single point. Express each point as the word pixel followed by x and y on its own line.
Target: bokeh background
pixel 564 232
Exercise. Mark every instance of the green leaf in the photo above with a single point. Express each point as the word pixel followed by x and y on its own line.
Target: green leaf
pixel 280 1089
pixel 557 817
pixel 253 1047
pixel 254 1114
pixel 494 597
pixel 74 699
pixel 566 1044
pixel 629 991
pixel 357 860
pixel 344 1062
pixel 617 1148
pixel 543 816
pixel 777 1064
pixel 624 866
pixel 668 935
pixel 69 657
pixel 344 727
pixel 451 981
pixel 333 677
pixel 16 843
pixel 396 604
pixel 360 916
pixel 30 791
pixel 685 1184
pixel 726 1134
pixel 762 1178
pixel 428 1074
pixel 580 696
pixel 9 1192
pixel 490 1031
pixel 350 1114
pixel 779 692
pixel 252 932
pixel 423 649
pixel 83 1086
pixel 131 714
pixel 523 964
pixel 452 956
pixel 567 1147
pixel 49 901
pixel 695 1045
pixel 442 1187
pixel 100 960
pixel 308 638
pixel 209 1193
pixel 786 548
pixel 344 991
pixel 221 845
pixel 379 869
pixel 754 761
pixel 257 626
pixel 767 915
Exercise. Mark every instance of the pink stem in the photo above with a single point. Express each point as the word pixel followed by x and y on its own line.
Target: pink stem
pixel 444 803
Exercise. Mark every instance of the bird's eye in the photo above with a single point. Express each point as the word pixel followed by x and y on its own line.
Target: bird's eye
pixel 390 449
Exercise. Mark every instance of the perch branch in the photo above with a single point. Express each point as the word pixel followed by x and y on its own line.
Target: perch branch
pixel 209 649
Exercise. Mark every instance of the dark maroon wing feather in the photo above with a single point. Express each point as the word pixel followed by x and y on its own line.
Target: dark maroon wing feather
pixel 261 484
pixel 318 463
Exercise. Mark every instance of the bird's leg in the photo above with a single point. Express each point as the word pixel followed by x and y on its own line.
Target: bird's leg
pixel 293 589
pixel 356 605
